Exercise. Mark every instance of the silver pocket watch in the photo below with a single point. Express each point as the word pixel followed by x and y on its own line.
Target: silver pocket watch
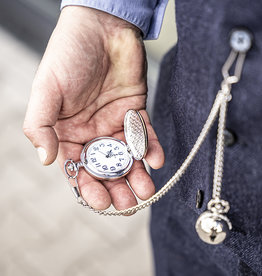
pixel 108 158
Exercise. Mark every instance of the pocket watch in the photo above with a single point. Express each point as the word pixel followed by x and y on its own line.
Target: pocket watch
pixel 108 158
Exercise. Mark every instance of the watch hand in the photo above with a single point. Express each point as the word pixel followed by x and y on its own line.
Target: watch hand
pixel 109 154
pixel 102 153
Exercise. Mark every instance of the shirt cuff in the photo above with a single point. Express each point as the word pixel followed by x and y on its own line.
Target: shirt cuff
pixel 147 15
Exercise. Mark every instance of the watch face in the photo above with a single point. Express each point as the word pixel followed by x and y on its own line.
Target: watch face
pixel 106 158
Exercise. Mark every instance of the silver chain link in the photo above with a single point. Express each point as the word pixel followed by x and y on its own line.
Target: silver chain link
pixel 219 158
pixel 216 204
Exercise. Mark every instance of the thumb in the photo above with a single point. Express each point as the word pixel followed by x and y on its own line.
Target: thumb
pixel 42 113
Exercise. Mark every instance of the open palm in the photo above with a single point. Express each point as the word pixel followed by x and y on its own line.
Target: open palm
pixel 92 72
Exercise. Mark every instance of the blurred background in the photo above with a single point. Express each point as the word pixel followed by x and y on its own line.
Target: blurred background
pixel 43 231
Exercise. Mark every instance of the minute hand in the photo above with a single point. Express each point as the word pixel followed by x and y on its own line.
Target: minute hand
pixel 102 153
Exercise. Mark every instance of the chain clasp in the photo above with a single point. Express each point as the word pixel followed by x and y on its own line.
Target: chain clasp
pixel 72 170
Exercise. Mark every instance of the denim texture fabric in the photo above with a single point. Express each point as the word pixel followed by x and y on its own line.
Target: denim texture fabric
pixel 189 80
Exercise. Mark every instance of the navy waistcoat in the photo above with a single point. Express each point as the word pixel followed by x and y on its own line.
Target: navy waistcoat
pixel 189 80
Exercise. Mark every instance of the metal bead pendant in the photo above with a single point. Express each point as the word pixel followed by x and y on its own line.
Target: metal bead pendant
pixel 213 228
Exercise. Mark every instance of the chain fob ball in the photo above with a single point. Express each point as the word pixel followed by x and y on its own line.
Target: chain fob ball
pixel 212 228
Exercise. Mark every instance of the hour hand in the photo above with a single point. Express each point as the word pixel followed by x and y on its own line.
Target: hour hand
pixel 109 154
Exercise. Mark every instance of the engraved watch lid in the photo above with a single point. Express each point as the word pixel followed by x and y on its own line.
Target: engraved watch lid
pixel 135 134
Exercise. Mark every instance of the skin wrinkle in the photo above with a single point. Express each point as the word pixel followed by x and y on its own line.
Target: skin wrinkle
pixel 93 94
pixel 91 62
pixel 93 128
pixel 34 122
pixel 142 187
pixel 87 119
pixel 125 198
pixel 96 196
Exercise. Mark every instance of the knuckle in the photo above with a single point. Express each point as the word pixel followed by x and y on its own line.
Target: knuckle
pixel 28 131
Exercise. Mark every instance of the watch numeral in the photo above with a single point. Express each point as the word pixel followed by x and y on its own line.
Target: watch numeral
pixel 98 165
pixel 93 160
pixel 118 164
pixel 112 168
pixel 92 153
pixel 120 159
pixel 116 148
pixel 104 167
pixel 109 145
pixel 102 145
pixel 120 153
pixel 96 148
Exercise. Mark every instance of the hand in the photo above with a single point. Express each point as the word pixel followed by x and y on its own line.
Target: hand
pixel 93 71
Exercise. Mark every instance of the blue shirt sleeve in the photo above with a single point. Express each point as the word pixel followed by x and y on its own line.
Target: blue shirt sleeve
pixel 147 15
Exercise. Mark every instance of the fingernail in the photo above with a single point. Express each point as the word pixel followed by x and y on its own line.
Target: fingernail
pixel 42 154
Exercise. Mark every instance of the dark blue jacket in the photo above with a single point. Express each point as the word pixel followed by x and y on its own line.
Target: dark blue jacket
pixel 190 78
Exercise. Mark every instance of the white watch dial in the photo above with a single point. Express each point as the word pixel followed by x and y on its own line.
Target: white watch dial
pixel 107 158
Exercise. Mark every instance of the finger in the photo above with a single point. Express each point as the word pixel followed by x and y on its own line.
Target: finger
pixel 140 181
pixel 42 113
pixel 121 195
pixel 92 190
pixel 138 178
pixel 155 156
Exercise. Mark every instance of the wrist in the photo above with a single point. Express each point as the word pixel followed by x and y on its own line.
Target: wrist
pixel 95 27
pixel 89 18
